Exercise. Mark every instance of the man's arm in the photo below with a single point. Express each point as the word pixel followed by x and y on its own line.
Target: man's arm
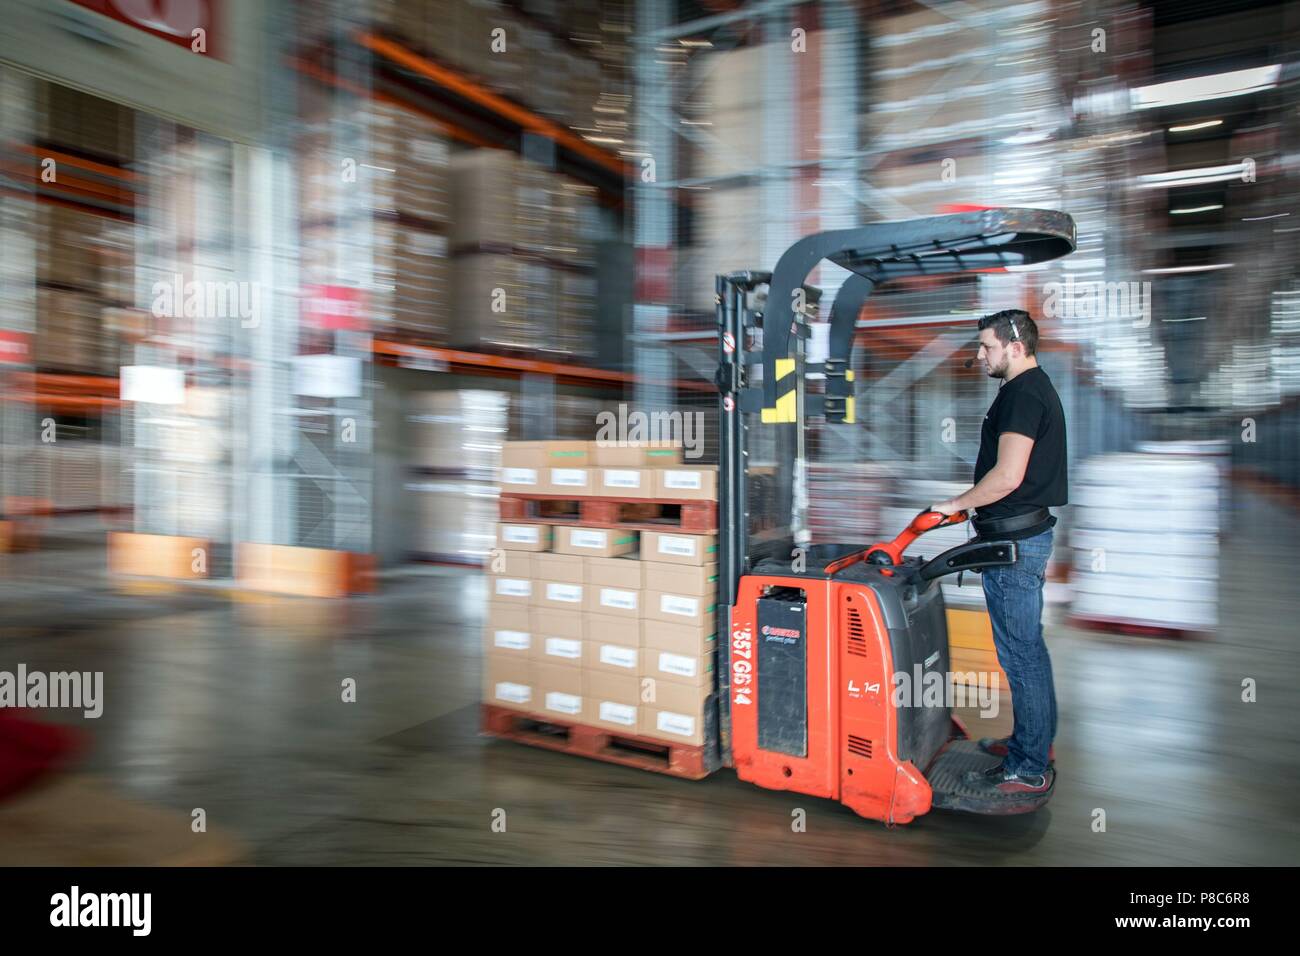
pixel 1003 478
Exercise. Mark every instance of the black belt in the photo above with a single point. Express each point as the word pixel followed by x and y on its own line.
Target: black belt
pixel 986 527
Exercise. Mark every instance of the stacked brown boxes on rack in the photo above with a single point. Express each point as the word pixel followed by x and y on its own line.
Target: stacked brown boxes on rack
pixel 556 58
pixel 393 193
pixel 610 627
pixel 523 240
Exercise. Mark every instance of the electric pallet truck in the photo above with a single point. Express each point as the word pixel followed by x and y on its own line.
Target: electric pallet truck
pixel 814 633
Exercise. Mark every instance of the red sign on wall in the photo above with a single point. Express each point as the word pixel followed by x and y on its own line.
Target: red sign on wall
pixel 333 307
pixel 173 20
pixel 15 348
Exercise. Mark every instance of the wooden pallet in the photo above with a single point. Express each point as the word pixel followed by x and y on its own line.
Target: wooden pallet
pixel 1136 629
pixel 598 743
pixel 634 514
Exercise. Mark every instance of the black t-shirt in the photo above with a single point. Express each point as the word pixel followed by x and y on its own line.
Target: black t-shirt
pixel 1027 405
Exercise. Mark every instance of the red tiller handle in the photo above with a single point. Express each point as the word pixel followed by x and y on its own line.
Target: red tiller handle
pixel 926 520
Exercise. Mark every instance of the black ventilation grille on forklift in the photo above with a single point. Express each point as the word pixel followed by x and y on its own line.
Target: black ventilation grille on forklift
pixel 860 746
pixel 857 639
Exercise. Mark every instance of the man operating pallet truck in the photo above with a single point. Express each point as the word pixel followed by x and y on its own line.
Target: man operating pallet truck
pixel 814 635
pixel 1019 474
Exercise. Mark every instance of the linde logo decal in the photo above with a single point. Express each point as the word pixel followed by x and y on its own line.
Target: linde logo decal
pixel 787 635
pixel 74 909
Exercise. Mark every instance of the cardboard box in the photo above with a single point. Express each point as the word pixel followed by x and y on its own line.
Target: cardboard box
pixel 523 465
pixel 625 483
pixel 565 651
pixel 611 628
pixel 509 682
pixel 638 455
pixel 594 542
pixel 615 602
pixel 611 658
pixel 512 583
pixel 671 548
pixel 676 712
pixel 570 480
pixel 559 595
pixel 682 668
pixel 688 483
pixel 565 454
pixel 559 691
pixel 691 609
pixel 568 568
pixel 524 537
pixel 680 578
pixel 515 564
pixel 509 630
pixel 612 700
pixel 622 572
pixel 676 638
pixel 558 636
pixel 510 590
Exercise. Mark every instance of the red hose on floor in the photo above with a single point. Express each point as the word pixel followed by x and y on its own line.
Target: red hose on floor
pixel 30 749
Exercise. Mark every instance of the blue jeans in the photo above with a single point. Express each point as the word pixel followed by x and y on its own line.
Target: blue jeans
pixel 1014 595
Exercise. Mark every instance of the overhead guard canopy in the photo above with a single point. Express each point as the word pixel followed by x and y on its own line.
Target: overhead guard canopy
pixel 875 253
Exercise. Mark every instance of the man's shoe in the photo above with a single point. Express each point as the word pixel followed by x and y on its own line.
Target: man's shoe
pixel 997 781
pixel 997 746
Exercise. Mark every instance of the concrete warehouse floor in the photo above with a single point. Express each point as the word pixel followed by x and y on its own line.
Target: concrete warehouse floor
pixel 235 707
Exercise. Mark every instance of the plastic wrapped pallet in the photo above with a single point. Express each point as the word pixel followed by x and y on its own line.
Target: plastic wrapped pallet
pixel 459 431
pixel 1145 541
pixel 452 520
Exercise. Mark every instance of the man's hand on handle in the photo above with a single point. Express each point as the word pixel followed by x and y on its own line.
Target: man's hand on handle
pixel 948 507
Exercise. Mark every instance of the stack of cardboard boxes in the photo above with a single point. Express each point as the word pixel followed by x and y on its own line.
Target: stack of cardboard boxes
pixel 386 200
pixel 524 241
pixel 608 627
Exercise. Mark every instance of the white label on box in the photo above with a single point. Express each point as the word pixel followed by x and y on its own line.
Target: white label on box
pixel 686 480
pixel 513 640
pixel 672 544
pixel 521 533
pixel 514 587
pixel 677 604
pixel 515 693
pixel 615 478
pixel 581 538
pixel 678 664
pixel 569 477
pixel 670 723
pixel 568 593
pixel 613 597
pixel 613 713
pixel 564 647
pixel 618 656
pixel 519 476
pixel 564 703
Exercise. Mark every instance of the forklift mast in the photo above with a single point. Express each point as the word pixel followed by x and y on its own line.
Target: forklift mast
pixel 768 381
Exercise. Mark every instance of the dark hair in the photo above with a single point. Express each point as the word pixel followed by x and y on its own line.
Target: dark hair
pixel 1013 325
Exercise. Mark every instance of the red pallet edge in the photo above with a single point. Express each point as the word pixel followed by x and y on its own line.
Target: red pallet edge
pixel 1137 628
pixel 584 740
pixel 696 517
